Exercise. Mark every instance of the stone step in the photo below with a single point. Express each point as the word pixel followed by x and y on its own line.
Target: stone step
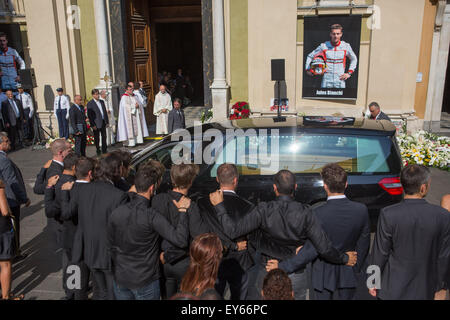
pixel 193 114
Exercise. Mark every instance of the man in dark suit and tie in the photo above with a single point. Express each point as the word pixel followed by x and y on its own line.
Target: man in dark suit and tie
pixel 347 225
pixel 53 210
pixel 238 260
pixel 98 118
pixel 284 225
pixel 176 117
pixel 376 113
pixel 84 171
pixel 78 124
pixel 93 203
pixel 14 185
pixel 60 148
pixel 412 243
pixel 13 118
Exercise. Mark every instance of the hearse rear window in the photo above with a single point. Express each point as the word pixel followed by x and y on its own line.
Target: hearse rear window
pixel 309 153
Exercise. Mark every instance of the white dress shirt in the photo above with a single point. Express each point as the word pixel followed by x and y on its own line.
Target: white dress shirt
pixel 337 197
pixel 15 107
pixel 65 104
pixel 27 102
pixel 58 162
pixel 99 105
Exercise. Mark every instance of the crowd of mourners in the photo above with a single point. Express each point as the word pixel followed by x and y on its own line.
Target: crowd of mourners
pixel 129 241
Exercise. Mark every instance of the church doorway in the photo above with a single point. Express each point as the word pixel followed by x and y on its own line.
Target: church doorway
pixel 180 60
pixel 165 36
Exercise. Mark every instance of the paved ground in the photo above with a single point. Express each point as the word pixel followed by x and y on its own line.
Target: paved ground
pixel 39 276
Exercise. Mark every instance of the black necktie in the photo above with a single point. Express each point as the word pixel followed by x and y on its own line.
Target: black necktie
pixel 59 104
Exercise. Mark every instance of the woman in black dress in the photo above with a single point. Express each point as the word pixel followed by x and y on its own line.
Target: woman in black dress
pixel 8 248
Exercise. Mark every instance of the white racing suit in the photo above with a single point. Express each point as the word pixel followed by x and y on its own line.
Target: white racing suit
pixel 336 58
pixel 9 61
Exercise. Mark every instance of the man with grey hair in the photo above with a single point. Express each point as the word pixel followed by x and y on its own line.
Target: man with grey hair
pixel 412 243
pixel 14 185
pixel 376 113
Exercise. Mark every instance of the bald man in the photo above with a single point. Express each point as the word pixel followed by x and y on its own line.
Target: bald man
pixel 60 148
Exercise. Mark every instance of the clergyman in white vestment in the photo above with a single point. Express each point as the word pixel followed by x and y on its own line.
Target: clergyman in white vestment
pixel 110 131
pixel 161 109
pixel 132 126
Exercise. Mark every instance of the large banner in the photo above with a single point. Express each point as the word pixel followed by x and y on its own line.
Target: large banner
pixel 331 57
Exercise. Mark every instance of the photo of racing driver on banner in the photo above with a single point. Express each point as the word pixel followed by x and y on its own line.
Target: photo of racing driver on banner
pixel 331 67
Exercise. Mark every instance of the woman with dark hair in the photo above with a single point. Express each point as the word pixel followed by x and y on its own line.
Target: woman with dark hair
pixel 277 286
pixel 122 183
pixel 176 259
pixel 205 257
pixel 8 247
pixel 109 169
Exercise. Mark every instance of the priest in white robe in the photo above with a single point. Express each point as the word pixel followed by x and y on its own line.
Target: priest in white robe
pixel 161 109
pixel 132 127
pixel 110 131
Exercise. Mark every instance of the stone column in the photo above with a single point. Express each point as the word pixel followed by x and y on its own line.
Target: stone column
pixel 101 27
pixel 219 88
pixel 438 67
pixel 208 55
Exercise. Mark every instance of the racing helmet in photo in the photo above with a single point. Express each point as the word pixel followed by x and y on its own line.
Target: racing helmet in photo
pixel 318 64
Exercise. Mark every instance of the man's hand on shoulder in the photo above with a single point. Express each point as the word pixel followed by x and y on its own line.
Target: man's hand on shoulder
pixel 67 186
pixel 48 164
pixel 272 265
pixel 183 205
pixel 216 198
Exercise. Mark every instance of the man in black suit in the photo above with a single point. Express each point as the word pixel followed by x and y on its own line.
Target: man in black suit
pixel 78 123
pixel 94 203
pixel 13 118
pixel 412 243
pixel 237 260
pixel 283 225
pixel 134 233
pixel 14 185
pixel 376 113
pixel 176 117
pixel 60 148
pixel 83 172
pixel 347 225
pixel 98 118
pixel 53 210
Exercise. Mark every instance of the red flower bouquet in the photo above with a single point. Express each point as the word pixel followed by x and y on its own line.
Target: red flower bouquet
pixel 240 110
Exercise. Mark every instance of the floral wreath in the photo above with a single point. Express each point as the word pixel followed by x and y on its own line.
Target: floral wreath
pixel 240 110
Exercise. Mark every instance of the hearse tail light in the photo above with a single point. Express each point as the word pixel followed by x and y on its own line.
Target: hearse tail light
pixel 391 186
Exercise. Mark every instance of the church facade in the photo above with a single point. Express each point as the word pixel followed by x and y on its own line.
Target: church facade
pixel 226 47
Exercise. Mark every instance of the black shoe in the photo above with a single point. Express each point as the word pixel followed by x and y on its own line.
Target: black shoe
pixel 99 153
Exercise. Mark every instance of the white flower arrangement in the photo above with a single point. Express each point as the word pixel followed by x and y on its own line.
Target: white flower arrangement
pixel 425 148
